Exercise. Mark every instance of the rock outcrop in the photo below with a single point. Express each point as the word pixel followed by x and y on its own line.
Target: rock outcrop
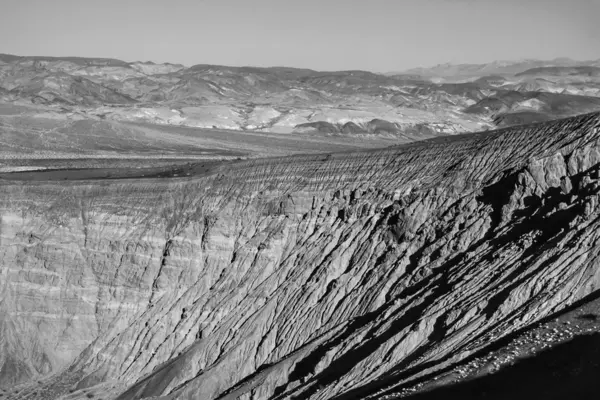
pixel 339 276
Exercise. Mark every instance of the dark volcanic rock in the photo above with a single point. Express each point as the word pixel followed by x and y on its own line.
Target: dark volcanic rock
pixel 379 126
pixel 520 118
pixel 318 127
pixel 375 126
pixel 352 128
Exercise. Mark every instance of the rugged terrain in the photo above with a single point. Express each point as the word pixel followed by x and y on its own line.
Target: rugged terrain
pixel 412 105
pixel 358 274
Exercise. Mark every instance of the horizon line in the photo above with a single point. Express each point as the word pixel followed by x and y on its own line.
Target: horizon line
pixel 310 69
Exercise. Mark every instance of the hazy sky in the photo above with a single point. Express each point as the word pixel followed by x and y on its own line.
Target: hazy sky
pixel 377 35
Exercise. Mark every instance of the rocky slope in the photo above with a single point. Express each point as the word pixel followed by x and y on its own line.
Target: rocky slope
pixel 554 359
pixel 436 101
pixel 340 276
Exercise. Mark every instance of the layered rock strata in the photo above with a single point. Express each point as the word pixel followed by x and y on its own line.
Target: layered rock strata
pixel 339 276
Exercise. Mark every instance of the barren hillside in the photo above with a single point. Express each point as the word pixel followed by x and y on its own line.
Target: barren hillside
pixel 337 276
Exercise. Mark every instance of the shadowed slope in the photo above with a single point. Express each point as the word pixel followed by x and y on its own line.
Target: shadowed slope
pixel 567 371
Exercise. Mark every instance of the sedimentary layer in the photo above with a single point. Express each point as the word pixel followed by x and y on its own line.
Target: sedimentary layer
pixel 337 276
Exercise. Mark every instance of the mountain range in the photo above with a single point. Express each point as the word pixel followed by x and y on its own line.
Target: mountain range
pixel 508 67
pixel 415 104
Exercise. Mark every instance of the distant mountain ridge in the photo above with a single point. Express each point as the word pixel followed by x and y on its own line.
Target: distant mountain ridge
pixel 495 67
pixel 417 104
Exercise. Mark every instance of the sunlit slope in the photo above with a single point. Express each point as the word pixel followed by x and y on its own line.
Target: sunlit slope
pixel 317 276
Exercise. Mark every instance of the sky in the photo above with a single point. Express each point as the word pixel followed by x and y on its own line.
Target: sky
pixel 375 35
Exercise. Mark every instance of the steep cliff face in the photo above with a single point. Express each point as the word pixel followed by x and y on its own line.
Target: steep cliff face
pixel 338 276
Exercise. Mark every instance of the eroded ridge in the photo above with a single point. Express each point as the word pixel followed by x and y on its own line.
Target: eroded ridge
pixel 337 276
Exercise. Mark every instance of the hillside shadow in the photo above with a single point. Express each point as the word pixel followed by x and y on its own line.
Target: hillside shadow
pixel 569 370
